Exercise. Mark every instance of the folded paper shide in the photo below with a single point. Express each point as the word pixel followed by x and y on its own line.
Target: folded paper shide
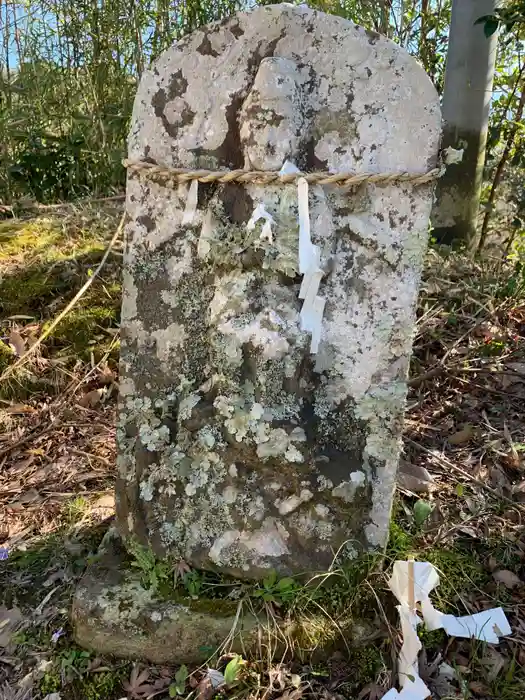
pixel 309 254
pixel 411 583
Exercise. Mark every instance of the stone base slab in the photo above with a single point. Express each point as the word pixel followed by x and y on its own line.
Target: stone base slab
pixel 114 614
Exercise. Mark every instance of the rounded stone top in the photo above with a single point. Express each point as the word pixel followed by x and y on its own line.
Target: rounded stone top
pixel 287 82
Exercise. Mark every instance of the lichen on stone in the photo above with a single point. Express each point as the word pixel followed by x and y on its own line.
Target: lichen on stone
pixel 239 449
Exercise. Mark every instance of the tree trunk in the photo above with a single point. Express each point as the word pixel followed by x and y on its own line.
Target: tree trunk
pixel 501 167
pixel 466 103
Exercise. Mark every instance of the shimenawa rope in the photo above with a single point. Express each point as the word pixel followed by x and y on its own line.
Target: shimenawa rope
pixel 174 176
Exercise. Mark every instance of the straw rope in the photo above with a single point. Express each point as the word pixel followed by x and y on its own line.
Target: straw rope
pixel 173 176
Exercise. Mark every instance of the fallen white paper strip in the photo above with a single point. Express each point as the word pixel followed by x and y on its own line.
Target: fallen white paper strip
pixel 486 626
pixel 191 203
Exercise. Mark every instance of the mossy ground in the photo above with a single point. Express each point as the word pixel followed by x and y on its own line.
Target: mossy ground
pixel 470 533
pixel 43 263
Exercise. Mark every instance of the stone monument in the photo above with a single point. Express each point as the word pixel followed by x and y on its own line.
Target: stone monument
pixel 243 447
pixel 267 321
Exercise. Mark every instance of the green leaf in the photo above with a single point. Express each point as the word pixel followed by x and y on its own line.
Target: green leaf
pixel 270 580
pixel 491 26
pixel 485 18
pixel 285 583
pixel 182 674
pixel 460 490
pixel 422 510
pixel 231 672
pixel 207 649
pixel 180 680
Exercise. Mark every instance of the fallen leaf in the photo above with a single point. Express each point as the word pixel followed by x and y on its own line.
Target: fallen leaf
pixel 17 343
pixel 507 578
pixel 480 688
pixel 106 501
pixel 372 691
pixel 292 694
pixel 518 367
pixel 30 496
pixel 492 564
pixel 205 689
pixel 20 409
pixel 91 399
pixel 414 478
pixel 462 436
pixel 107 376
pixel 56 576
pixel 499 481
pixel 181 570
pixel 10 619
pixel 494 662
pixel 137 681
pixel 295 680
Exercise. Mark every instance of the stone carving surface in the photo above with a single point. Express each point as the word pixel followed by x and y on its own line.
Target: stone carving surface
pixel 239 449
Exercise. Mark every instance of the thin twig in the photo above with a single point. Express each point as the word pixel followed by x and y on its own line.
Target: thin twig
pixel 469 331
pixel 23 358
pixel 29 438
pixel 66 205
pixel 445 462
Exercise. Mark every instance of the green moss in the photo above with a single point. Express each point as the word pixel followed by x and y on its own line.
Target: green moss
pixel 29 291
pixel 432 641
pixel 211 606
pixel 459 571
pixel 50 683
pixel 400 543
pixel 20 237
pixel 366 663
pixel 92 686
pixel 43 263
pixel 98 686
pixel 80 328
pixel 6 356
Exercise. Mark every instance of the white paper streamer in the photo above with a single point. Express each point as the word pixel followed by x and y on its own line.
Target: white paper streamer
pixel 309 255
pixel 260 213
pixel 288 168
pixel 191 203
pixel 309 266
pixel 204 245
pixel 317 313
pixel 487 626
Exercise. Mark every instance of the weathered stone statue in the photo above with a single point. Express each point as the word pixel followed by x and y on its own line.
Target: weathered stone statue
pixel 260 427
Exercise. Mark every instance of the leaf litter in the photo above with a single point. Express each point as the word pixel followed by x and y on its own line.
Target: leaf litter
pixel 464 447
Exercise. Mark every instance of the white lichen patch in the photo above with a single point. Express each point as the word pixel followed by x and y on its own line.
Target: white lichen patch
pixel 169 341
pixel 129 296
pixel 293 502
pixel 347 489
pixel 186 407
pixel 154 438
pixel 263 545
